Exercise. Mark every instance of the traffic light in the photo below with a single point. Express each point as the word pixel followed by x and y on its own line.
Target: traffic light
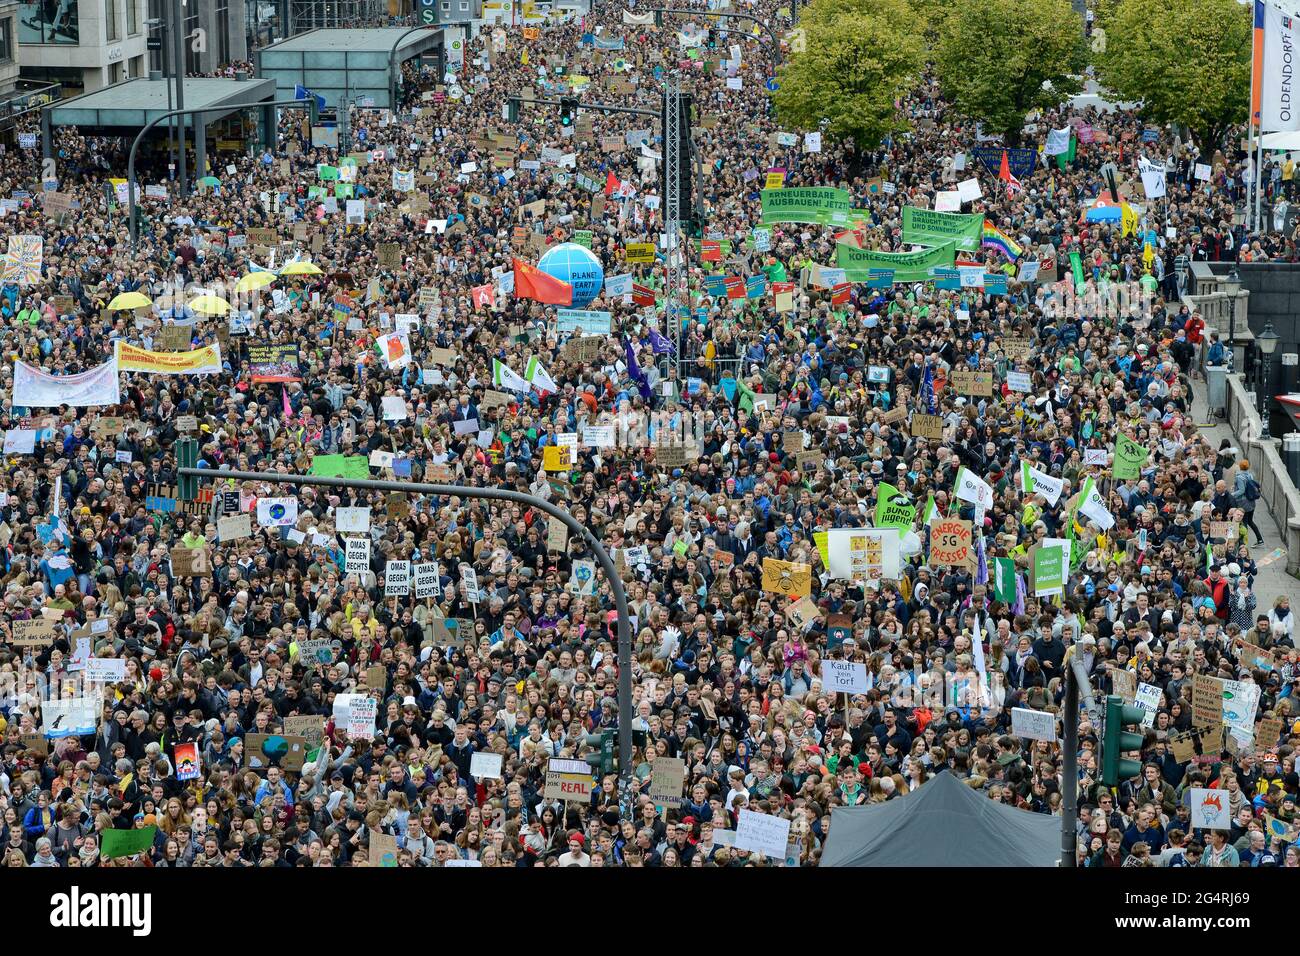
pixel 512 109
pixel 1116 741
pixel 713 38
pixel 187 456
pixel 568 110
pixel 602 761
pixel 659 19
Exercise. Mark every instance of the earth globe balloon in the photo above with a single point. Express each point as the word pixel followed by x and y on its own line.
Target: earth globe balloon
pixel 578 266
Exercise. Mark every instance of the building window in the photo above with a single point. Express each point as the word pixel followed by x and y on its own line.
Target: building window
pixel 223 32
pixel 110 20
pixel 464 6
pixel 48 21
pixel 191 17
pixel 6 39
pixel 133 17
pixel 446 6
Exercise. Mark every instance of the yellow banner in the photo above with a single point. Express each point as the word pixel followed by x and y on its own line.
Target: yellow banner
pixel 204 361
pixel 643 252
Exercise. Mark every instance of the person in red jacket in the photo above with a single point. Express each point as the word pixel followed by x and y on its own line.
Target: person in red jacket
pixel 1220 591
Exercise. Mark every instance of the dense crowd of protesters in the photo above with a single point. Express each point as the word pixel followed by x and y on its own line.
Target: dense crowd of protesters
pixel 726 676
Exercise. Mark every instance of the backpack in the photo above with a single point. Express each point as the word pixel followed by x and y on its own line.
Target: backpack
pixel 1251 491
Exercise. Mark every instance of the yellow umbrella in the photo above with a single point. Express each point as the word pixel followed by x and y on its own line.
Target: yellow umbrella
pixel 254 280
pixel 301 269
pixel 210 305
pixel 129 300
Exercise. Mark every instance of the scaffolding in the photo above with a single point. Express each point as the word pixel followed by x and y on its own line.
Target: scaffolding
pixel 307 15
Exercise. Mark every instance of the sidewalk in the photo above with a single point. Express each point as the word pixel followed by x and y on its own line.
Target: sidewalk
pixel 1272 580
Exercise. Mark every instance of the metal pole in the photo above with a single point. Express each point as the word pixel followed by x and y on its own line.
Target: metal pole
pixel 514 497
pixel 139 138
pixel 1266 369
pixel 1259 181
pixel 178 68
pixel 1232 334
pixel 392 67
pixel 1076 686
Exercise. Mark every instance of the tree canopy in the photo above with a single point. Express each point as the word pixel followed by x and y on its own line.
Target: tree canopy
pixel 1188 63
pixel 993 58
pixel 856 58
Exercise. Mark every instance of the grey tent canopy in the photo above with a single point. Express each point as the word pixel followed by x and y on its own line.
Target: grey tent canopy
pixel 942 823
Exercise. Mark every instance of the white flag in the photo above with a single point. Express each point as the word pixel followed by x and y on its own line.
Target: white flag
pixel 1153 178
pixel 1278 110
pixel 1094 507
pixel 1036 481
pixel 971 487
pixel 1058 141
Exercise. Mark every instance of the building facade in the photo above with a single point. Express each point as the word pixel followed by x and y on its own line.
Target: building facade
pixel 8 46
pixel 86 45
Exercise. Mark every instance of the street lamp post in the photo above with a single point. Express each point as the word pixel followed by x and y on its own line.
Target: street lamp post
pixel 1267 341
pixel 1232 285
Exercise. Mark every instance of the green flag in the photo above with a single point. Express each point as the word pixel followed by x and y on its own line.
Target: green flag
pixel 931 511
pixel 894 510
pixel 115 843
pixel 1004 580
pixel 1063 159
pixel 1129 458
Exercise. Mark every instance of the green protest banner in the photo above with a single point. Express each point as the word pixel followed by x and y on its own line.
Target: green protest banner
pixel 907 266
pixel 327 173
pixel 1129 458
pixel 115 843
pixel 1049 569
pixel 1004 580
pixel 816 204
pixel 894 510
pixel 925 227
pixel 341 466
pixel 344 191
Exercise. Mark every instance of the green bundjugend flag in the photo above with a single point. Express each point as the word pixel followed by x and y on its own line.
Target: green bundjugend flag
pixel 894 510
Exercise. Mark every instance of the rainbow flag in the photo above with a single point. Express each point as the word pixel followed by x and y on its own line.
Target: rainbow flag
pixel 995 238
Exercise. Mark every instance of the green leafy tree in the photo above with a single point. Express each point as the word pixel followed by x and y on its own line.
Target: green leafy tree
pixel 999 59
pixel 851 60
pixel 1188 63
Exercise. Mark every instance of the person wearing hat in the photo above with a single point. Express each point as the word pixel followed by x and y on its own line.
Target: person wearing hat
pixel 575 856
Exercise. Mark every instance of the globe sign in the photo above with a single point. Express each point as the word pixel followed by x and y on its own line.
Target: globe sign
pixel 277 511
pixel 578 266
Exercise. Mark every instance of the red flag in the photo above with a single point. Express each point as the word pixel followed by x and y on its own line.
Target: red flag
pixel 611 183
pixel 483 295
pixel 642 295
pixel 1004 174
pixel 533 283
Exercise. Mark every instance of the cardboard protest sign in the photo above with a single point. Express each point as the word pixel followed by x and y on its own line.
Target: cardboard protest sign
pixel 787 578
pixel 951 545
pixel 190 561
